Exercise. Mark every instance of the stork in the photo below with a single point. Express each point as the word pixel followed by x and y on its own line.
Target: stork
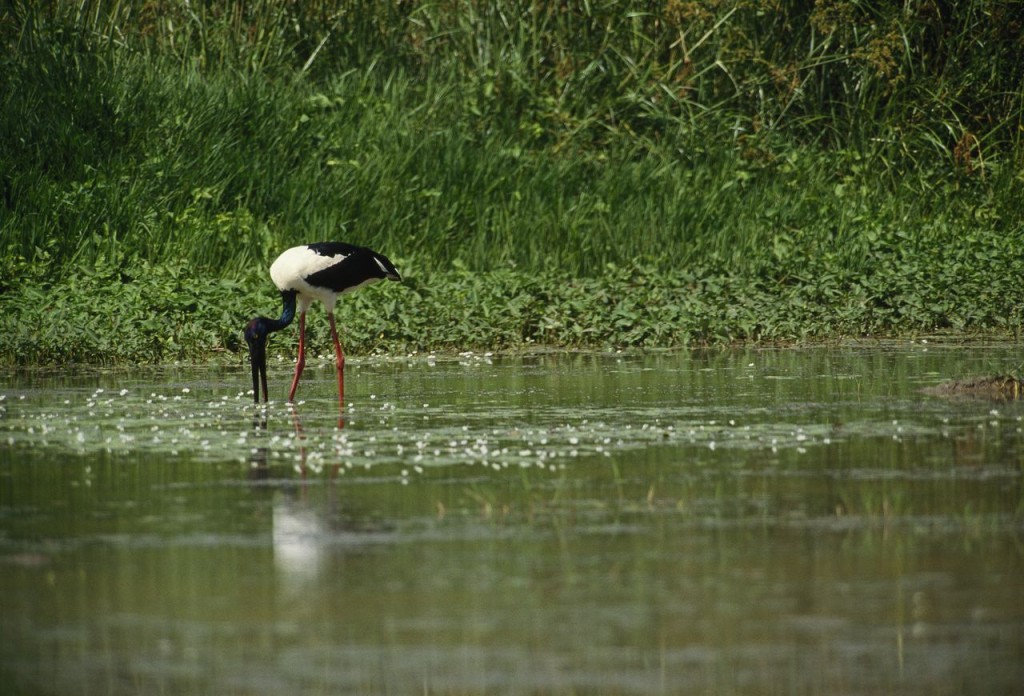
pixel 320 271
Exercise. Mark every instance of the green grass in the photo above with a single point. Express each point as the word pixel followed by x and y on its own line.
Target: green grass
pixel 580 174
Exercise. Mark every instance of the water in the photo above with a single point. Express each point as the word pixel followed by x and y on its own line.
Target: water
pixel 739 522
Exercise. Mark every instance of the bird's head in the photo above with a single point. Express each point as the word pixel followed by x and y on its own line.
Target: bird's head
pixel 256 332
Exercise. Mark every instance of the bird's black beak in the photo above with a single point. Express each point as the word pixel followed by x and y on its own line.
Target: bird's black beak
pixel 257 340
pixel 258 359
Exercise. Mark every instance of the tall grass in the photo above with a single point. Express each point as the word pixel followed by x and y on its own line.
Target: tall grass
pixel 736 134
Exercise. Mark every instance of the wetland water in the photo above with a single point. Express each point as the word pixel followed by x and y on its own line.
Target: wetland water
pixel 739 522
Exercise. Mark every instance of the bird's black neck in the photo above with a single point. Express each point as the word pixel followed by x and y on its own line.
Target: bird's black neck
pixel 287 312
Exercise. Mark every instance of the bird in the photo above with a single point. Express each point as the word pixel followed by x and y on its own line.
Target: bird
pixel 320 271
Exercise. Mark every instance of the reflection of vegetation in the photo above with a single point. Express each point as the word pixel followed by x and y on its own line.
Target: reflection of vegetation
pixel 568 173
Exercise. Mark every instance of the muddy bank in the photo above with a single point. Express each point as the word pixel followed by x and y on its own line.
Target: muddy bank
pixel 1000 387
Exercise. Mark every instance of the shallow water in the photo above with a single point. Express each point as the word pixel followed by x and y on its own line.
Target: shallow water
pixel 749 521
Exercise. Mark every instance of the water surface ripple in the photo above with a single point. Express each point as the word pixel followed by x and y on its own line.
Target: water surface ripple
pixel 745 521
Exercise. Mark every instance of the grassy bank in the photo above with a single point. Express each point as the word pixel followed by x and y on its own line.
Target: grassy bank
pixel 142 313
pixel 566 174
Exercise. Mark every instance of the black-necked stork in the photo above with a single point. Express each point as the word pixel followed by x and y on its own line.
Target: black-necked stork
pixel 320 271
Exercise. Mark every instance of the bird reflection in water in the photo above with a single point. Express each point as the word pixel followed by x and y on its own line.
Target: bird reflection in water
pixel 259 456
pixel 310 527
pixel 298 528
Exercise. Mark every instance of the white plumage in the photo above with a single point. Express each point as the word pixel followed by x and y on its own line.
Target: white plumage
pixel 291 269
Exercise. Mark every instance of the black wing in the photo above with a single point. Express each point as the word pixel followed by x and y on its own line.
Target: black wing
pixel 357 266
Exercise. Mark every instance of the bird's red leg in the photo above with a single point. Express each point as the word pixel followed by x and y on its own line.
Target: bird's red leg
pixel 339 361
pixel 301 360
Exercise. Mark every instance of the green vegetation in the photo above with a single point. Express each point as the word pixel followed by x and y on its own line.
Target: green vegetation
pixel 575 174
